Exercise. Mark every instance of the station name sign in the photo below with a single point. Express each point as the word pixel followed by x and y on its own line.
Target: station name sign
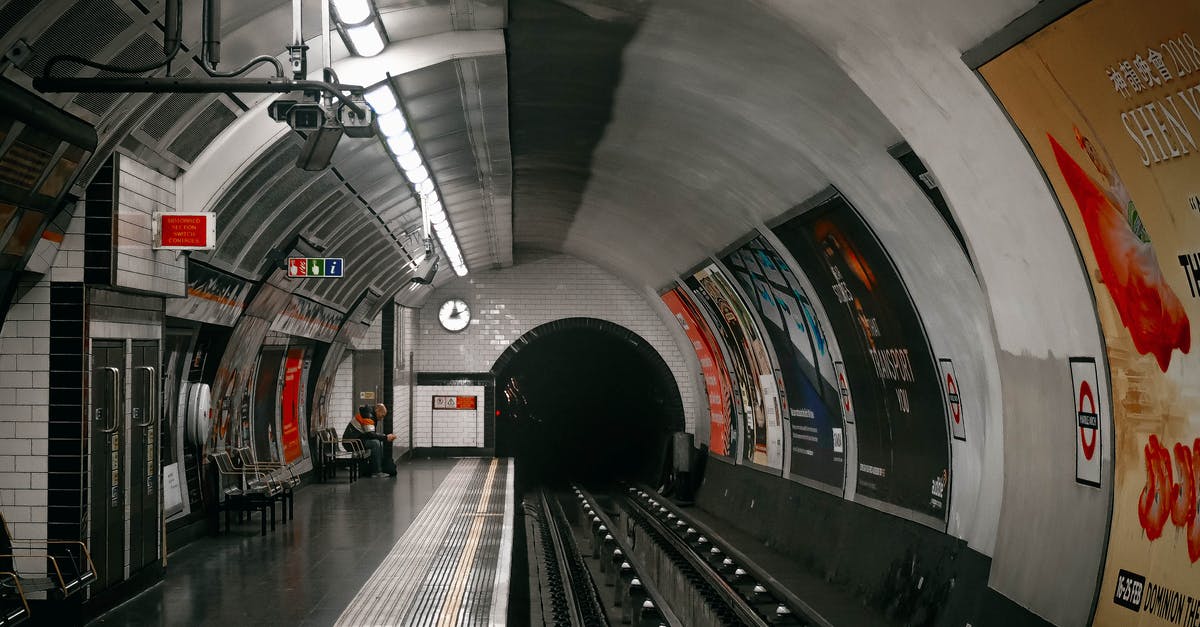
pixel 328 267
pixel 184 231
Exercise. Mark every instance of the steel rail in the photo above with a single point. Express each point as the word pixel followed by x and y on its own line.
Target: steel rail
pixel 584 609
pixel 651 589
pixel 740 607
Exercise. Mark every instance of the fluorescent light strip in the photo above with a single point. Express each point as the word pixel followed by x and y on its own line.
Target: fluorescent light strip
pixel 352 11
pixel 367 39
pixel 400 143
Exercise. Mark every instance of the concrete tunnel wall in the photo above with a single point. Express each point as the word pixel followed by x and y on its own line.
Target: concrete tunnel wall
pixel 724 117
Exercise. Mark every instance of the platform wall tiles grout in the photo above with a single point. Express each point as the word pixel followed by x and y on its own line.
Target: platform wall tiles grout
pixel 24 398
pixel 406 318
pixel 341 398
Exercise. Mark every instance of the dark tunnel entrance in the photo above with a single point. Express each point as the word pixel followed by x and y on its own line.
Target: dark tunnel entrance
pixel 587 400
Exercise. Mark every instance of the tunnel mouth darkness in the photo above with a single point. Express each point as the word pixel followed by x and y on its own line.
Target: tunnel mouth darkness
pixel 585 400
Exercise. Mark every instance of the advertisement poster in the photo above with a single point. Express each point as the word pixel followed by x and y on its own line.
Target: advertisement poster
pixel 809 381
pixel 306 318
pixel 213 296
pixel 293 369
pixel 1108 99
pixel 761 440
pixel 713 368
pixel 903 445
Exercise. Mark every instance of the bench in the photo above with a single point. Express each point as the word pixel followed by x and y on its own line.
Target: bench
pixel 276 472
pixel 335 451
pixel 244 490
pixel 67 570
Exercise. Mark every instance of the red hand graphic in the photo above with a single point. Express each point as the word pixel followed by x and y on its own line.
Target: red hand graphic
pixel 1193 529
pixel 1153 506
pixel 1183 494
pixel 1129 269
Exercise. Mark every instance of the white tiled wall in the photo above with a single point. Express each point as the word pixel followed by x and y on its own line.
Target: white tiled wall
pixel 142 192
pixel 509 302
pixel 68 260
pixel 341 398
pixel 24 417
pixel 406 319
pixel 443 427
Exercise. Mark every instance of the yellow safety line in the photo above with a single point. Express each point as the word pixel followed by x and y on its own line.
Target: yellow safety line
pixel 449 613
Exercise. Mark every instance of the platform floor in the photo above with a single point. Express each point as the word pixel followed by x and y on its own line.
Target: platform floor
pixel 337 559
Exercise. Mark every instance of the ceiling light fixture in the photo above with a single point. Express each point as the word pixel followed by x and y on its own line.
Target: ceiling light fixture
pixel 362 32
pixel 352 11
pixel 400 143
pixel 366 39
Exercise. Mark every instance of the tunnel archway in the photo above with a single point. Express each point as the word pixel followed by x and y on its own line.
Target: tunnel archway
pixel 584 399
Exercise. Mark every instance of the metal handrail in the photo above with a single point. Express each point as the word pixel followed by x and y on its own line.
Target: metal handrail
pixel 16 579
pixel 114 407
pixel 149 370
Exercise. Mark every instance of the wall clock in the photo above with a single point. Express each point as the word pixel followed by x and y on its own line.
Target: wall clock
pixel 454 315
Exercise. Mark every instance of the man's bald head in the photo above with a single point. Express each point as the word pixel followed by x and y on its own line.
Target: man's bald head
pixel 380 410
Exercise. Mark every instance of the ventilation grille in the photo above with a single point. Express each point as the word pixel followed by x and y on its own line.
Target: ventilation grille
pixel 250 216
pixel 291 218
pixel 251 181
pixel 83 30
pixel 109 143
pixel 170 112
pixel 14 12
pixel 138 52
pixel 202 130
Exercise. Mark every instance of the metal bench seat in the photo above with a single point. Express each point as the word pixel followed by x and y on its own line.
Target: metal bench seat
pixel 337 451
pixel 277 474
pixel 67 570
pixel 245 489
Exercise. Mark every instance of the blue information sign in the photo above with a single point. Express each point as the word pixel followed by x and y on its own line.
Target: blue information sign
pixel 332 267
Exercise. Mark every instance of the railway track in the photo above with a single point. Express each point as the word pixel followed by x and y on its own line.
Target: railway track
pixel 629 557
pixel 572 599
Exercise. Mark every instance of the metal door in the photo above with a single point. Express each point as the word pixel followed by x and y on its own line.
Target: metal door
pixel 107 505
pixel 368 378
pixel 144 476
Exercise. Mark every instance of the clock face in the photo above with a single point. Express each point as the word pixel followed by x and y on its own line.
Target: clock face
pixel 454 315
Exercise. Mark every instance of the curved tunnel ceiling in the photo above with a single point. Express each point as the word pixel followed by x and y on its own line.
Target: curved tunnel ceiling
pixel 647 134
pixel 362 209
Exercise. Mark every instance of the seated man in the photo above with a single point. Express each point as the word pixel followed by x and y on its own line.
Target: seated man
pixel 362 428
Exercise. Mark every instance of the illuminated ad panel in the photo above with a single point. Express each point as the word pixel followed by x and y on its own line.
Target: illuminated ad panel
pixel 717 384
pixel 761 437
pixel 1108 99
pixel 810 393
pixel 902 437
pixel 293 369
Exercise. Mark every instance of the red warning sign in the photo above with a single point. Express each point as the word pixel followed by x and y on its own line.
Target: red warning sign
pixel 958 426
pixel 184 231
pixel 1088 420
pixel 455 402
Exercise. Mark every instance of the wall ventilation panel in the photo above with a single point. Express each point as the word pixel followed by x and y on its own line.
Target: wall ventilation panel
pixel 143 48
pixel 83 30
pixel 14 12
pixel 202 131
